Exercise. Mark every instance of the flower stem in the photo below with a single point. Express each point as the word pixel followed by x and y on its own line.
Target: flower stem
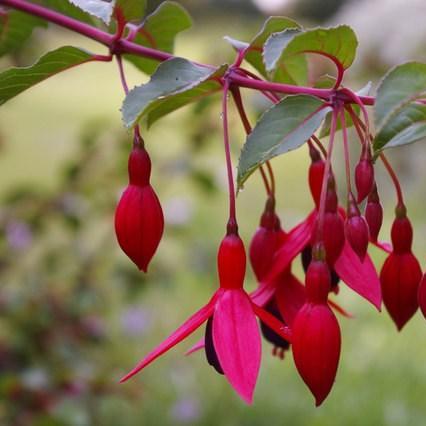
pixel 236 94
pixel 327 170
pixel 346 152
pixel 232 223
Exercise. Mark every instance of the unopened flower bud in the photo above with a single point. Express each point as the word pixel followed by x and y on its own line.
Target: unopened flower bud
pixel 316 174
pixel 364 174
pixel 374 214
pixel 139 221
pixel 356 229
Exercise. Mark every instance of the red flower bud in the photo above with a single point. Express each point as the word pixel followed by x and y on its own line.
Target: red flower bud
pixel 364 175
pixel 422 295
pixel 316 174
pixel 265 242
pixel 356 230
pixel 316 348
pixel 139 221
pixel 400 278
pixel 402 235
pixel 374 214
pixel 231 262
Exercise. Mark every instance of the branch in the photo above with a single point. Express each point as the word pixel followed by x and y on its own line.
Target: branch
pixel 122 46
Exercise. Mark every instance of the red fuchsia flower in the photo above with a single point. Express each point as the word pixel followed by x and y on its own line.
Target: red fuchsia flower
pixel 374 214
pixel 333 231
pixel 422 295
pixel 364 174
pixel 316 334
pixel 232 335
pixel 401 273
pixel 356 229
pixel 139 221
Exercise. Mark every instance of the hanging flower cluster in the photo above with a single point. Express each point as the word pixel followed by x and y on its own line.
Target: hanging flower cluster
pixel 332 242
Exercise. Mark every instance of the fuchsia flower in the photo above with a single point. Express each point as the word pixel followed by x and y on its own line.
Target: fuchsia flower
pixel 364 174
pixel 232 336
pixel 139 221
pixel 401 273
pixel 374 214
pixel 316 334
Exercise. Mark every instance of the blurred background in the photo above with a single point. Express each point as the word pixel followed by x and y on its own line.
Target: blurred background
pixel 75 313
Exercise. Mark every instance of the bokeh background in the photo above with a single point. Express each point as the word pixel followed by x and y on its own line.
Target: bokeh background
pixel 75 314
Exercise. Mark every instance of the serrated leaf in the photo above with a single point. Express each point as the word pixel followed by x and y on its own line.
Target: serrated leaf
pixel 101 9
pixel 337 43
pixel 406 126
pixel 297 70
pixel 284 127
pixel 15 80
pixel 236 44
pixel 159 31
pixel 402 85
pixel 15 29
pixel 175 83
pixel 132 10
pixel 67 8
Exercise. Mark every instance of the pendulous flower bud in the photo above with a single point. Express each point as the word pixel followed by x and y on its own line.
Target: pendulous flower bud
pixel 400 278
pixel 356 229
pixel 364 174
pixel 316 174
pixel 139 221
pixel 231 262
pixel 374 214
pixel 316 334
pixel 265 241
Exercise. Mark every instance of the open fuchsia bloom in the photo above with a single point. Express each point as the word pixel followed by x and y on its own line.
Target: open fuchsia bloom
pixel 139 221
pixel 232 335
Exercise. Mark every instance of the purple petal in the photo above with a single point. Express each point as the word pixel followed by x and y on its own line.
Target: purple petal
pixel 360 277
pixel 236 340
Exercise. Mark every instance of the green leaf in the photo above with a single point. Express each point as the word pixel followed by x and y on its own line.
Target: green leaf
pixel 175 83
pixel 101 9
pixel 238 45
pixel 66 8
pixel 297 70
pixel 159 31
pixel 15 29
pixel 15 80
pixel 338 43
pixel 402 85
pixel 399 120
pixel 282 128
pixel 132 10
pixel 406 126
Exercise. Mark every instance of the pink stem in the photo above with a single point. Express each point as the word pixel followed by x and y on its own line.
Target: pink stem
pixel 346 151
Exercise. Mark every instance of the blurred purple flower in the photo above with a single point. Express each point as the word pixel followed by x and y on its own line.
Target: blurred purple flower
pixel 186 410
pixel 135 321
pixel 18 235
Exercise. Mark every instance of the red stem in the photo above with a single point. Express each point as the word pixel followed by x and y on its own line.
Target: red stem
pixel 122 46
pixel 122 75
pixel 236 94
pixel 346 152
pixel 320 145
pixel 231 187
pixel 326 175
